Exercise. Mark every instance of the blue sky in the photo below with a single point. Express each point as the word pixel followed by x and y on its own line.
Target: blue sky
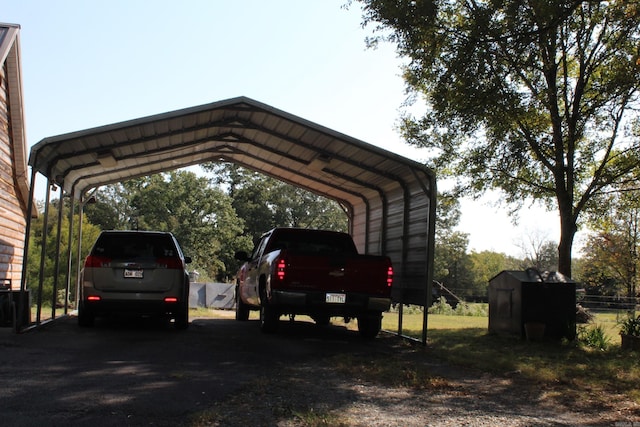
pixel 92 63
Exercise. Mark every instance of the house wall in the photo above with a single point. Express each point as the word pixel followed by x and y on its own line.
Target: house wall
pixel 12 208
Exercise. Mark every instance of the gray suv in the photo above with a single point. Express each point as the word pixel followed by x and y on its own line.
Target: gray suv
pixel 136 272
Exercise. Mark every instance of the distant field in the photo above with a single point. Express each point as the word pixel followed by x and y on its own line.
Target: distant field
pixel 412 323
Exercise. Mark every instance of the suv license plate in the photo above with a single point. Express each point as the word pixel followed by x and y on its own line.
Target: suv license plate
pixel 134 274
pixel 336 298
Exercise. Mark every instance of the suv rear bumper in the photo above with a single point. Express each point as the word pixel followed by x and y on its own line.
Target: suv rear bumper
pixel 159 306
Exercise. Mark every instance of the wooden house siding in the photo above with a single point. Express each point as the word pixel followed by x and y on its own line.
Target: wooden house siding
pixel 13 211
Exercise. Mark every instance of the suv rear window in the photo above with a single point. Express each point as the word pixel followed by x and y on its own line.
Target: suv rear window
pixel 128 246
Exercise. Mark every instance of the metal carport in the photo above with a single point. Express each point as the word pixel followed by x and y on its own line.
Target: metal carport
pixel 390 200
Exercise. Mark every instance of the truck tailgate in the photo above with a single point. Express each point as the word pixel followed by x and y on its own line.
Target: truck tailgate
pixel 353 273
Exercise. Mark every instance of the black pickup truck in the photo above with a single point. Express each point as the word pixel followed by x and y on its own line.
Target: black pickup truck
pixel 316 273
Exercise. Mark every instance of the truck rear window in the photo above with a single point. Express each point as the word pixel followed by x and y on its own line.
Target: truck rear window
pixel 313 243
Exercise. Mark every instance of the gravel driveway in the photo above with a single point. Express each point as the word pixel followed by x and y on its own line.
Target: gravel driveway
pixel 226 373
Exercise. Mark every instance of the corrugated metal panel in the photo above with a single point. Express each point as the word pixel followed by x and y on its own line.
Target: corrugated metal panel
pixel 390 198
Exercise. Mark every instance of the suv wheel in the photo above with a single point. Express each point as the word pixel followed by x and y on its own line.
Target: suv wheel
pixel 85 317
pixel 182 318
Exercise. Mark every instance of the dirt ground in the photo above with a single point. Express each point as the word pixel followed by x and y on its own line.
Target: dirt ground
pixel 220 372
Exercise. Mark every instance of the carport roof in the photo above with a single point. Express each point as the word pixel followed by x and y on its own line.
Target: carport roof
pixel 389 199
pixel 238 130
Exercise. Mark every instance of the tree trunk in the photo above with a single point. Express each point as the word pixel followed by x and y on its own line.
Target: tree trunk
pixel 567 233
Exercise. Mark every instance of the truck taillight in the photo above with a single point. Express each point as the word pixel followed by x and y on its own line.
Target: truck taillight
pixel 280 268
pixel 389 276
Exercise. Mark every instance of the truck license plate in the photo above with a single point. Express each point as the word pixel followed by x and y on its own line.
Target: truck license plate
pixel 134 274
pixel 336 298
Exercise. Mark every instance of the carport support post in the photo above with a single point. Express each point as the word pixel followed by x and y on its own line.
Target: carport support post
pixel 56 269
pixel 431 248
pixel 81 203
pixel 69 253
pixel 43 252
pixel 79 254
pixel 25 256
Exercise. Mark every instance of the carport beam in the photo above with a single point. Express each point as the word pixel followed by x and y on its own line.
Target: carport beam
pixel 54 297
pixel 69 254
pixel 43 251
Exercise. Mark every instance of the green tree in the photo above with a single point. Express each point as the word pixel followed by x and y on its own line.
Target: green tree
pixel 539 253
pixel 605 265
pixel 486 265
pixel 296 207
pixel 526 96
pixel 112 209
pixel 250 194
pixel 264 202
pixel 200 216
pixel 612 251
pixel 36 237
pixel 452 266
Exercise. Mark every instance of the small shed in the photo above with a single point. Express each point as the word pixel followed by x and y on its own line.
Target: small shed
pixel 523 299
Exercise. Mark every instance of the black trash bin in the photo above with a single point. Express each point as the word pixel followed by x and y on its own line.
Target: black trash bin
pixel 12 312
pixel 533 304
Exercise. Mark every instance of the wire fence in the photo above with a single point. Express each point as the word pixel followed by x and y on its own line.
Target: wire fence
pixel 595 303
pixel 601 303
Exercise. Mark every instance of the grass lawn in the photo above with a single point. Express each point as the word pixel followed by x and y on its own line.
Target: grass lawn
pixel 568 371
pixel 465 341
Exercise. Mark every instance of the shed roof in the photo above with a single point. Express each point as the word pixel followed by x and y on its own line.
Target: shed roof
pixel 390 199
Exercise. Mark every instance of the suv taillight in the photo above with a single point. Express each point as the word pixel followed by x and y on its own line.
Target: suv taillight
pixel 173 263
pixel 389 276
pixel 97 261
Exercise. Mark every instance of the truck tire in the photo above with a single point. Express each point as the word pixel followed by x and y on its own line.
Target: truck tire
pixel 369 325
pixel 242 310
pixel 269 317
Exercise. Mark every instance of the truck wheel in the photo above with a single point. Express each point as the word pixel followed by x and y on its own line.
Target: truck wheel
pixel 269 317
pixel 242 311
pixel 369 325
